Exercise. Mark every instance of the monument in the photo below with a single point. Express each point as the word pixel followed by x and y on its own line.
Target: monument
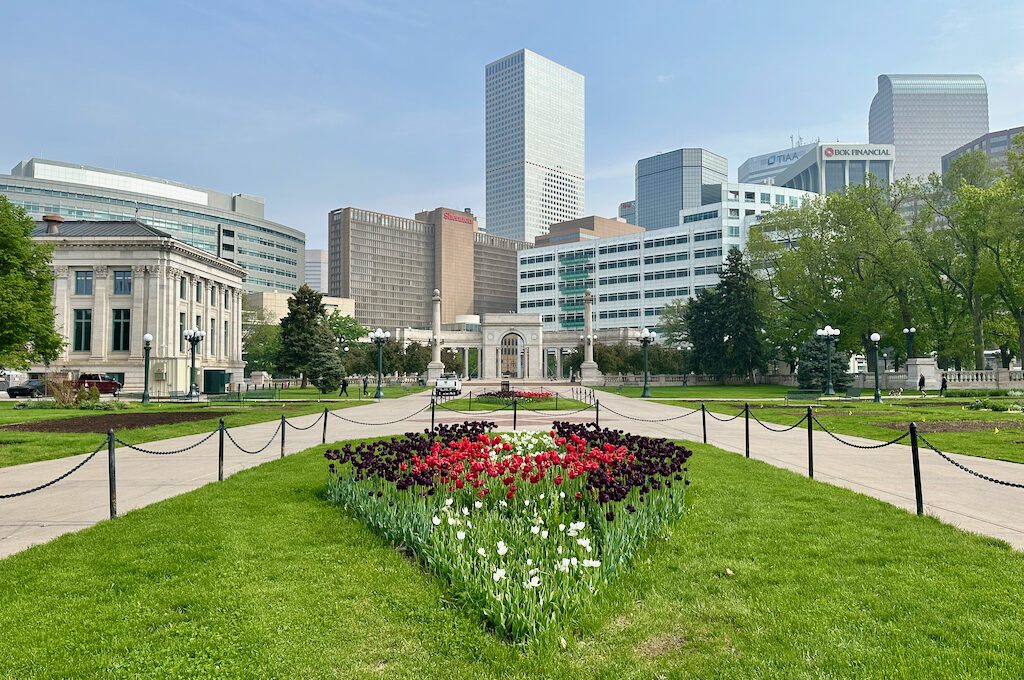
pixel 435 368
pixel 589 373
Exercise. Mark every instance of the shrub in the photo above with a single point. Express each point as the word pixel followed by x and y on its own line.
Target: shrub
pixel 988 404
pixel 63 391
pixel 509 395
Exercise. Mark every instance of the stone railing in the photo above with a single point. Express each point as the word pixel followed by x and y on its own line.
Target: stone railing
pixel 995 378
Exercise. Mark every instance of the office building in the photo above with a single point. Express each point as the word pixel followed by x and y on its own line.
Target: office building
pixel 229 226
pixel 925 116
pixel 586 229
pixel 316 269
pixel 115 281
pixel 275 305
pixel 534 150
pixel 391 265
pixel 833 167
pixel 670 182
pixel 994 145
pixel 764 168
pixel 633 277
pixel 627 211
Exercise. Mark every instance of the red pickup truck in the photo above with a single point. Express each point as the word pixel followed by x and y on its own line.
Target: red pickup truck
pixel 101 381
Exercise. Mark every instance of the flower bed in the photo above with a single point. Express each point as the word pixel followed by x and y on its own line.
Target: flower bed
pixel 508 395
pixel 524 527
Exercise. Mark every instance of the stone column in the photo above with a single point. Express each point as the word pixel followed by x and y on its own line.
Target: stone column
pixel 589 373
pixel 101 330
pixel 465 363
pixel 63 317
pixel 435 367
pixel 140 322
pixel 558 363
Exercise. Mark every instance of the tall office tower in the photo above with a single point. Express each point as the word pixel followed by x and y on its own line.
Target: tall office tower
pixel 927 116
pixel 627 211
pixel 670 182
pixel 534 145
pixel 316 269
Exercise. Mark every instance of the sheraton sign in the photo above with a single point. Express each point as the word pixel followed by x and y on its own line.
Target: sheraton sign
pixel 455 217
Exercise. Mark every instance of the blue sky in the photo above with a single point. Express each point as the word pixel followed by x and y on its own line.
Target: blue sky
pixel 319 104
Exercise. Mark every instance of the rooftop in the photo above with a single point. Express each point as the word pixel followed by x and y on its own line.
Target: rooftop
pixel 94 229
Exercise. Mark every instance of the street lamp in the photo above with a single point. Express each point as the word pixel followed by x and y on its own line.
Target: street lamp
pixel 831 335
pixel 148 339
pixel 194 336
pixel 885 359
pixel 909 333
pixel 379 338
pixel 875 337
pixel 646 337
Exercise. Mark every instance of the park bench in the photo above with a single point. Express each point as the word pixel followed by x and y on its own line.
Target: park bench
pixel 227 396
pixel 802 395
pixel 183 396
pixel 853 392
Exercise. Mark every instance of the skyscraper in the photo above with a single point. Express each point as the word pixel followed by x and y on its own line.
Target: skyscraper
pixel 927 116
pixel 535 128
pixel 316 269
pixel 670 182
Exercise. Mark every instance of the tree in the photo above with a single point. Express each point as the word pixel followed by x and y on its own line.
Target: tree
pixel 741 318
pixel 812 372
pixel 302 332
pixel 27 332
pixel 706 333
pixel 672 328
pixel 1006 238
pixel 261 347
pixel 326 370
pixel 345 328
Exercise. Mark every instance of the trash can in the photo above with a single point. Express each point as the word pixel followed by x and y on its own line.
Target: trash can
pixel 506 386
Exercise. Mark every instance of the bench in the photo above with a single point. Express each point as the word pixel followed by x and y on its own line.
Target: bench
pixel 802 395
pixel 853 392
pixel 226 396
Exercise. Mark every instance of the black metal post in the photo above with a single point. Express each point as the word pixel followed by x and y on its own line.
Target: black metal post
pixel 220 453
pixel 810 443
pixel 323 437
pixel 433 403
pixel 746 427
pixel 284 426
pixel 111 474
pixel 917 468
pixel 471 400
pixel 556 401
pixel 515 411
pixel 145 389
pixel 704 421
pixel 597 413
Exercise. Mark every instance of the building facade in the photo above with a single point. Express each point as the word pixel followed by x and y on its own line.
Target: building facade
pixel 116 281
pixel 994 145
pixel 764 168
pixel 229 226
pixel 670 182
pixel 627 211
pixel 633 277
pixel 315 272
pixel 390 266
pixel 833 167
pixel 586 229
pixel 535 145
pixel 275 305
pixel 926 116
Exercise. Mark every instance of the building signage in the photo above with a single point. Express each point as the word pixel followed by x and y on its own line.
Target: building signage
pixel 831 151
pixel 455 217
pixel 783 158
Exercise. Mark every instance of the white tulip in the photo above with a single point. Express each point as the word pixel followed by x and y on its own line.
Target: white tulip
pixel 498 575
pixel 502 548
pixel 483 553
pixel 448 502
pixel 591 563
pixel 535 529
pixel 544 534
pixel 461 535
pixel 436 520
pixel 478 505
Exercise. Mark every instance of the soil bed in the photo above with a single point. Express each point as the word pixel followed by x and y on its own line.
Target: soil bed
pixel 958 425
pixel 100 423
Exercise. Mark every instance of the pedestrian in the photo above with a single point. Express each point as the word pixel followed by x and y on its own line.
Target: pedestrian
pixel 942 386
pixel 920 385
pixel 366 385
pixel 344 387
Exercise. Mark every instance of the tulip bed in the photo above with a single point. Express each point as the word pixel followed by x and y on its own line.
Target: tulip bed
pixel 506 396
pixel 526 528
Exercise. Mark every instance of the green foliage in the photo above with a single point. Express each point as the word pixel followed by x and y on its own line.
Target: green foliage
pixel 705 323
pixel 813 370
pixel 741 319
pixel 304 332
pixel 345 328
pixel 27 333
pixel 261 348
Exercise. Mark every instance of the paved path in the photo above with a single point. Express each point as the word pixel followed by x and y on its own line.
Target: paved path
pixel 81 500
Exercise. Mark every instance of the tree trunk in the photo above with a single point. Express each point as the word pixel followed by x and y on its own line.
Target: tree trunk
pixel 979 335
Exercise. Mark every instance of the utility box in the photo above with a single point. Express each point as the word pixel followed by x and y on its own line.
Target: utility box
pixel 215 382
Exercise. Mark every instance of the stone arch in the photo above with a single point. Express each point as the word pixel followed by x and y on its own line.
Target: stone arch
pixel 511 355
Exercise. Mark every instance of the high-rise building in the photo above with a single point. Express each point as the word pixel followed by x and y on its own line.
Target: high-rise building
pixel 834 167
pixel 763 169
pixel 994 145
pixel 230 226
pixel 670 182
pixel 627 211
pixel 534 154
pixel 926 116
pixel 316 269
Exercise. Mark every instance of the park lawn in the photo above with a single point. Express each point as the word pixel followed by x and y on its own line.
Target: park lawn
pixel 355 389
pixel 704 391
pixel 769 575
pixel 986 434
pixel 487 404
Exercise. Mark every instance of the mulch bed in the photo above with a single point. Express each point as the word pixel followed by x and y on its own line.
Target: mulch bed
pixel 100 423
pixel 958 425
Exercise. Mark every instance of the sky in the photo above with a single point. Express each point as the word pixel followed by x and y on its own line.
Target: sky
pixel 321 104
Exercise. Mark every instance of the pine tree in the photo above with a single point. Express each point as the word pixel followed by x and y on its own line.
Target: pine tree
pixel 740 318
pixel 811 373
pixel 302 332
pixel 706 332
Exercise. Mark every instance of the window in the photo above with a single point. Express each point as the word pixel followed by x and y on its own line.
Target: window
pixel 199 323
pixel 766 198
pixel 181 331
pixel 83 330
pixel 83 282
pixel 122 283
pixel 794 201
pixel 199 291
pixel 213 336
pixel 225 336
pixel 780 199
pixel 183 288
pixel 122 329
pixel 213 295
pixel 226 298
pixel 748 196
pixel 734 212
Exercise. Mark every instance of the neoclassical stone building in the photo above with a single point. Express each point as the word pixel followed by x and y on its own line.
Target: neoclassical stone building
pixel 116 281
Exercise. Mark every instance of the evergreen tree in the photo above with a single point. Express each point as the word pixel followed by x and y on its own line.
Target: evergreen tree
pixel 740 317
pixel 706 333
pixel 302 332
pixel 326 369
pixel 811 373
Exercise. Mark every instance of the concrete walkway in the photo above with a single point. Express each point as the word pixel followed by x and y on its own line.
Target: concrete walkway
pixel 82 500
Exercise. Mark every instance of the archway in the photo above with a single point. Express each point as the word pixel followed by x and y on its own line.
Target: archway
pixel 511 356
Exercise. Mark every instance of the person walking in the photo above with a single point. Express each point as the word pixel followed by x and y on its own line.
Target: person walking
pixel 344 387
pixel 942 386
pixel 920 386
pixel 366 386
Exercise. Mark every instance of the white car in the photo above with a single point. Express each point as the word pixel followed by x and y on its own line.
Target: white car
pixel 448 384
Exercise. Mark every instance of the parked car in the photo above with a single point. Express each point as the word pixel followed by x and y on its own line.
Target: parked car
pixel 32 388
pixel 101 381
pixel 448 383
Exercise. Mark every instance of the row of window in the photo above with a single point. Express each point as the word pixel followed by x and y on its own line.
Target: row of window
pixel 707 252
pixel 530 304
pixel 667 274
pixel 667 241
pixel 537 287
pixel 667 292
pixel 700 217
pixel 714 235
pixel 621 278
pixel 84 282
pixel 537 259
pixel 710 269
pixel 620 264
pixel 121 327
pixel 667 257
pixel 619 248
pixel 536 273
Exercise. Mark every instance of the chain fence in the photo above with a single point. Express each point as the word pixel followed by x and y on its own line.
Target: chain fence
pixel 150 452
pixel 262 448
pixel 53 481
pixel 313 424
pixel 979 475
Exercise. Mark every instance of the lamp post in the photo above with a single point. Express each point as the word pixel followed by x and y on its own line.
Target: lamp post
pixel 194 336
pixel 875 337
pixel 885 359
pixel 379 338
pixel 148 340
pixel 646 337
pixel 830 335
pixel 909 333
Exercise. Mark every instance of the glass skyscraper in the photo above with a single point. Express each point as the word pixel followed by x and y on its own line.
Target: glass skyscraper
pixel 926 117
pixel 535 155
pixel 670 182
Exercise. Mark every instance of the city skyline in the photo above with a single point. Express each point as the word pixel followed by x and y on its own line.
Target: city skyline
pixel 276 121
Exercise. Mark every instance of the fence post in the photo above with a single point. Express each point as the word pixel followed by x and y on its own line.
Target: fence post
pixel 556 401
pixel 433 403
pixel 917 469
pixel 746 427
pixel 323 437
pixel 284 426
pixel 471 401
pixel 111 474
pixel 704 421
pixel 810 443
pixel 597 413
pixel 515 411
pixel 220 453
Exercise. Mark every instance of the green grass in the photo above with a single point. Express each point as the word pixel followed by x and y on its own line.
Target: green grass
pixel 562 404
pixel 355 389
pixel 865 419
pixel 704 391
pixel 770 575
